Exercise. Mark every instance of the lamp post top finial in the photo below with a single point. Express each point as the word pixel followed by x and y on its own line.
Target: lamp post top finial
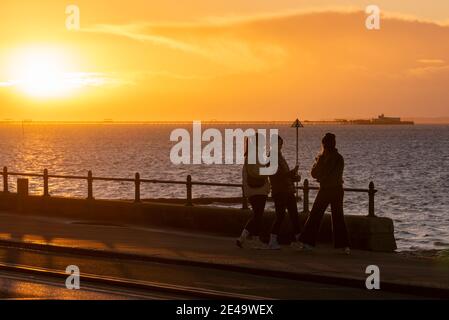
pixel 297 124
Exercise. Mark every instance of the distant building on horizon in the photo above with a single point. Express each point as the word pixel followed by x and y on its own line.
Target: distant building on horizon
pixel 382 119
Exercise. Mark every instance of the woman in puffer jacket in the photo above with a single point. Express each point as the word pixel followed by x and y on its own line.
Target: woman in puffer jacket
pixel 256 188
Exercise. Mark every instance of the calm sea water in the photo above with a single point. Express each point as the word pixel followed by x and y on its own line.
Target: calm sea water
pixel 408 164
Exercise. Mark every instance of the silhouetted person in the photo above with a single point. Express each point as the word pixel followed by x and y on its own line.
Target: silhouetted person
pixel 328 171
pixel 283 192
pixel 256 188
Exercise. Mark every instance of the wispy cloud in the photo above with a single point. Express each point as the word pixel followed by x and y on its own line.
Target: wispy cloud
pixel 429 70
pixel 134 32
pixel 431 61
pixel 237 42
pixel 235 53
pixel 76 80
pixel 95 79
pixel 7 84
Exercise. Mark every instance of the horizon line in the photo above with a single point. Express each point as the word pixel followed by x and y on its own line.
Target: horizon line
pixel 418 120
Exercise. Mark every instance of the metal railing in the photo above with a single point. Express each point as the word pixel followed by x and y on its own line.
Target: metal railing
pixel 371 191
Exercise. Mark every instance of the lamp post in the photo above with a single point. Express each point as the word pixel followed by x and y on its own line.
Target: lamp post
pixel 297 124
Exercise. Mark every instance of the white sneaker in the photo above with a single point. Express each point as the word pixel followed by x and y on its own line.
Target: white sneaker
pixel 256 244
pixel 304 246
pixel 296 245
pixel 243 237
pixel 274 246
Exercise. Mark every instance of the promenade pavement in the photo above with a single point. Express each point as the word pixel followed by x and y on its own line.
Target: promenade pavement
pixel 323 262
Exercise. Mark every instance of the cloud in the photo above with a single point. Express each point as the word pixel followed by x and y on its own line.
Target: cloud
pixel 232 20
pixel 429 70
pixel 95 79
pixel 237 54
pixel 7 83
pixel 414 18
pixel 431 61
pixel 76 80
pixel 266 42
pixel 134 32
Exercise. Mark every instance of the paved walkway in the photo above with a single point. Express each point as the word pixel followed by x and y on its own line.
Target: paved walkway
pixel 323 261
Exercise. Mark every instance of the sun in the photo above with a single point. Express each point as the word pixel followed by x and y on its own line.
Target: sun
pixel 41 72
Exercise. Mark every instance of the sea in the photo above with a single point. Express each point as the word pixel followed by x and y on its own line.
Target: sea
pixel 409 165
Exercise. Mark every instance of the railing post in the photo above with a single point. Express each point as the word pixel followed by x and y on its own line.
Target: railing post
pixel 137 183
pixel 244 200
pixel 5 179
pixel 371 193
pixel 189 191
pixel 90 190
pixel 46 193
pixel 306 196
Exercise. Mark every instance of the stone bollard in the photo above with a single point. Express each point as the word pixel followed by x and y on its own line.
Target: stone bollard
pixel 5 180
pixel 137 188
pixel 23 187
pixel 22 192
pixel 189 201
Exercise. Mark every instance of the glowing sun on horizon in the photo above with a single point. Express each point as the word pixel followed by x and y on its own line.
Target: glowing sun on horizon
pixel 41 72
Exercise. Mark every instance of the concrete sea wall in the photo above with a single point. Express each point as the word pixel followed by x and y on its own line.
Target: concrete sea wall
pixel 366 233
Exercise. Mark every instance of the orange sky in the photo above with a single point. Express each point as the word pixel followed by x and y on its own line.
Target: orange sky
pixel 226 60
